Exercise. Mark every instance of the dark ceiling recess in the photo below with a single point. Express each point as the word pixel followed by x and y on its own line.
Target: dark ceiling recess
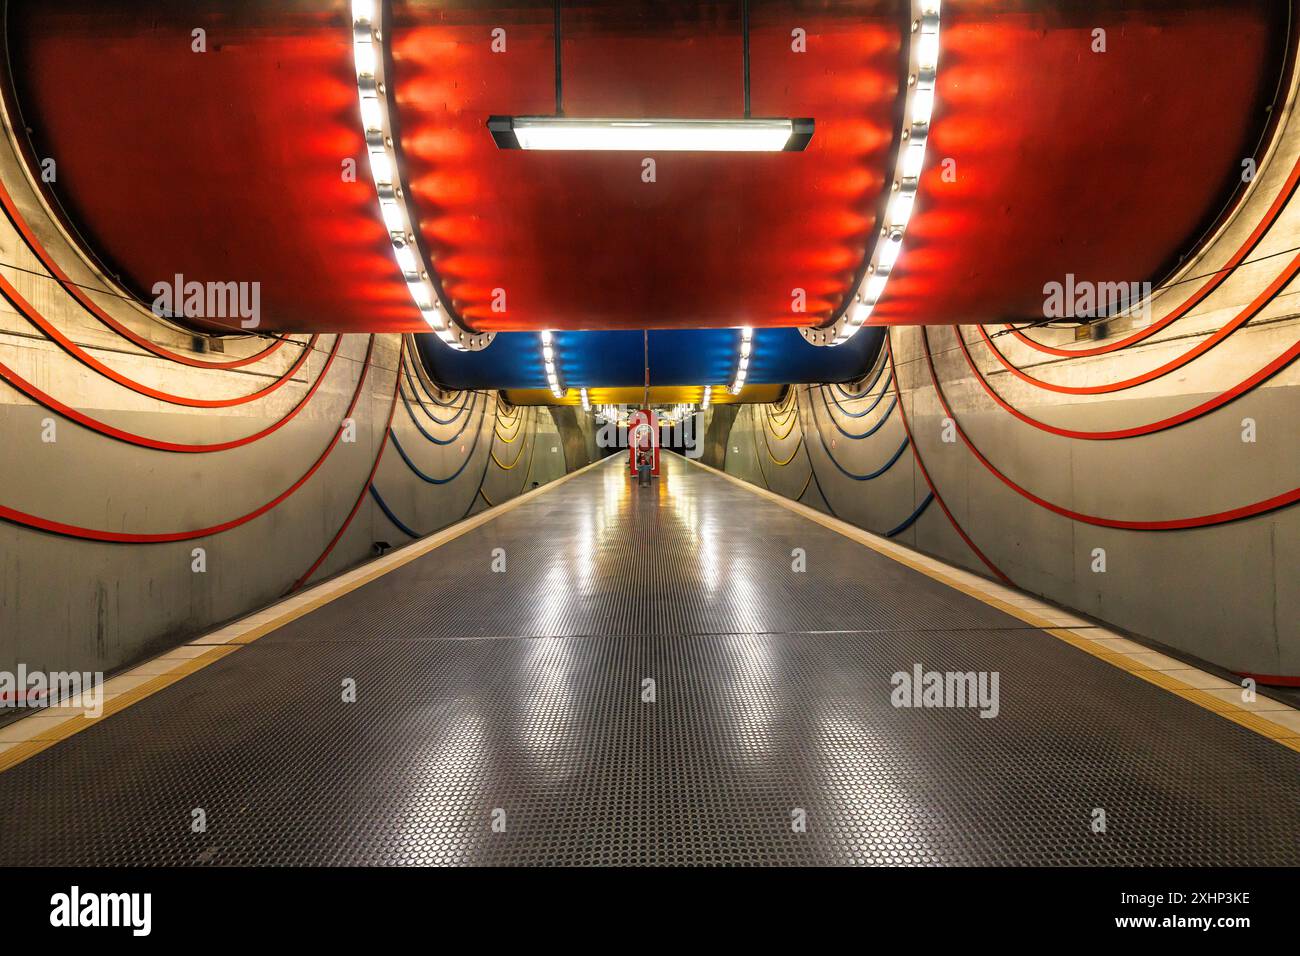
pixel 226 165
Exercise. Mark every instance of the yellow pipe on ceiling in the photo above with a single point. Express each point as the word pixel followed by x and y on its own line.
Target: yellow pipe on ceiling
pixel 659 395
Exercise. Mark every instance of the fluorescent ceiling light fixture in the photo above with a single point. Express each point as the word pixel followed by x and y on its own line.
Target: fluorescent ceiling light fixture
pixel 922 107
pixel 900 208
pixel 372 115
pixel 406 260
pixel 888 252
pixel 652 135
pixel 913 159
pixel 874 288
pixel 381 166
pixel 392 214
pixel 420 293
pixel 927 51
pixel 366 60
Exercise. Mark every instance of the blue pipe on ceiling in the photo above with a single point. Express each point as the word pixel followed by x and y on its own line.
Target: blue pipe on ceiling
pixel 677 357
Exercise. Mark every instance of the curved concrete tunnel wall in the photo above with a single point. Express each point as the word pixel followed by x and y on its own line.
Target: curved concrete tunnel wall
pixel 1225 590
pixel 72 603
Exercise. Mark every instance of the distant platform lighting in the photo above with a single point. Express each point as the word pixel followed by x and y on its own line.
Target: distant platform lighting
pixel 652 135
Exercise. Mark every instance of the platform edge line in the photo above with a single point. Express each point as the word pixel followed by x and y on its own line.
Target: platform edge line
pixel 1243 717
pixel 256 625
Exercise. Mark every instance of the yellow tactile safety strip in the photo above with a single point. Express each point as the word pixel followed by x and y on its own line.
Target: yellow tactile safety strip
pixel 992 594
pixel 50 732
pixel 42 729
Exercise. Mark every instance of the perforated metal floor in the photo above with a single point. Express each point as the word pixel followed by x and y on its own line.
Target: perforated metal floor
pixel 517 697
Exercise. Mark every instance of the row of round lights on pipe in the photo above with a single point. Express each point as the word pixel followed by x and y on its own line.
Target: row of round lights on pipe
pixel 708 396
pixel 586 400
pixel 923 67
pixel 742 366
pixel 548 359
pixel 372 90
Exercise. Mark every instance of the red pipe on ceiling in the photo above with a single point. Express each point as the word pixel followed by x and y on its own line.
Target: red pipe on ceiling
pixel 228 165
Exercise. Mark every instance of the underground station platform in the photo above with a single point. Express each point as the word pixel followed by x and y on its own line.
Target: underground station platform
pixel 446 441
pixel 647 680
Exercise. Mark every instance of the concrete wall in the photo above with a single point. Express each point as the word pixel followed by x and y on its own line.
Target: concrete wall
pixel 71 603
pixel 1228 592
pixel 577 431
